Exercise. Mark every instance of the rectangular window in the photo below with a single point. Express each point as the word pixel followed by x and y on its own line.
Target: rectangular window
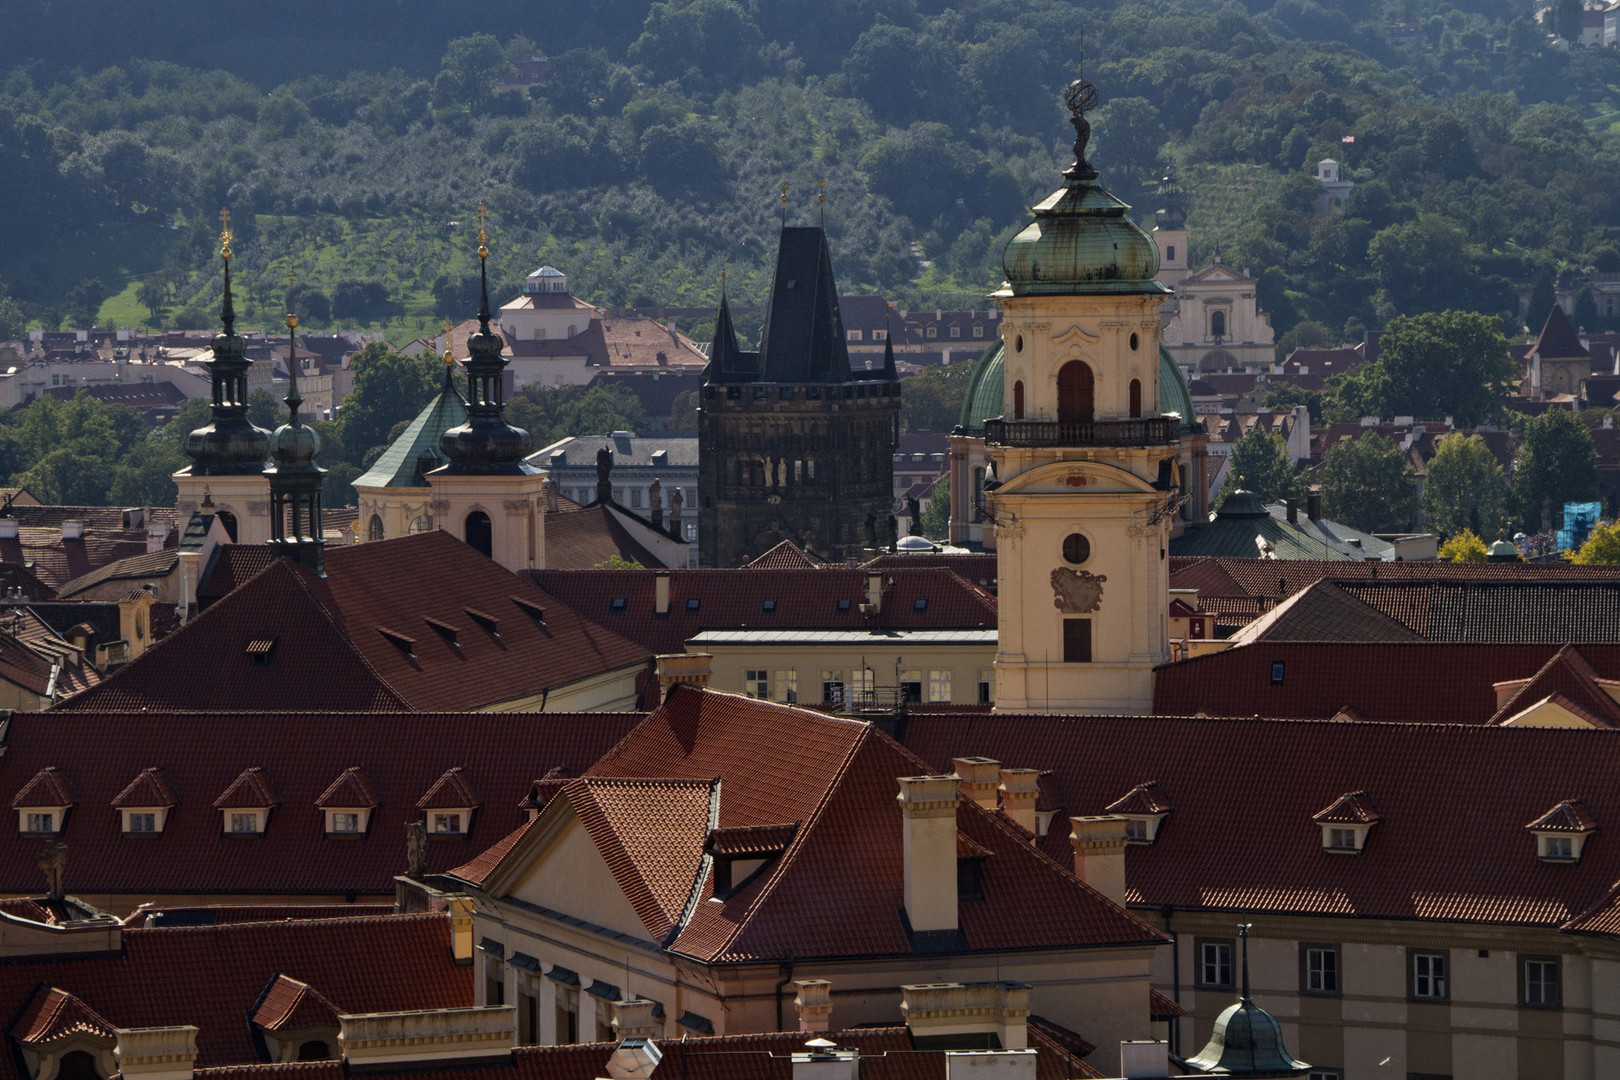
pixel 956 331
pixel 757 683
pixel 1342 839
pixel 939 684
pixel 880 335
pixel 1539 982
pixel 1558 847
pixel 567 1016
pixel 244 821
pixel 345 822
pixel 859 684
pixel 1214 963
pixel 853 335
pixel 1319 969
pixel 494 982
pixel 1277 672
pixel 635 496
pixel 40 823
pixel 1136 830
pixel 911 686
pixel 1324 1074
pixel 832 687
pixel 787 685
pixel 978 331
pixel 1077 641
pixel 1430 979
pixel 987 686
pixel 528 1019
pixel 142 821
pixel 447 824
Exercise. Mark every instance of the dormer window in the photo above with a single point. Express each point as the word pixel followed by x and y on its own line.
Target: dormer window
pixel 347 804
pixel 43 803
pixel 449 805
pixel 1144 809
pixel 447 823
pixel 245 806
pixel 143 806
pixel 1347 823
pixel 245 822
pixel 1562 831
pixel 343 821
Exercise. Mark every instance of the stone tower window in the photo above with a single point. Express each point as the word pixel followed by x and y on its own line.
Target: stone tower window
pixel 1077 641
pixel 1076 548
pixel 375 530
pixel 1076 387
pixel 1217 324
pixel 1018 399
pixel 1136 396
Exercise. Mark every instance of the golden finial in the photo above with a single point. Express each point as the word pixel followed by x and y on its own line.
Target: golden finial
pixel 225 233
pixel 449 357
pixel 784 203
pixel 292 316
pixel 821 200
pixel 483 237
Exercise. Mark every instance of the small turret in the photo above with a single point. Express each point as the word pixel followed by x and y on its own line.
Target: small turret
pixel 295 479
pixel 231 445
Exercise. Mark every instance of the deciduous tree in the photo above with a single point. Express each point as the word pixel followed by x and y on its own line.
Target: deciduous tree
pixel 1464 488
pixel 1261 464
pixel 1366 485
pixel 1556 465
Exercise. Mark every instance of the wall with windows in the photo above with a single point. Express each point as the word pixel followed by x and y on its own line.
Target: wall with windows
pixel 817 674
pixel 1437 999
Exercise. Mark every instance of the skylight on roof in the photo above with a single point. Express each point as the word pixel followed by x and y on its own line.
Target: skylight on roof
pixel 843 606
pixel 617 604
pixel 920 604
pixel 769 606
pixel 693 603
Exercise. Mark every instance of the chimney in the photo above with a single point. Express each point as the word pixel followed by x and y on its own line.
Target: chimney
pixel 1144 1059
pixel 156 533
pixel 976 779
pixel 157 1053
pixel 813 1004
pixel 990 1065
pixel 1020 791
pixel 990 1008
pixel 1313 506
pixel 686 669
pixel 1099 854
pixel 635 1059
pixel 823 1060
pixel 465 1034
pixel 1293 511
pixel 633 1019
pixel 928 826
pixel 8 528
pixel 661 593
pixel 874 594
pixel 73 530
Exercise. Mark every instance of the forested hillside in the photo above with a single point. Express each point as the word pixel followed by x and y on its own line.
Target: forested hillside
pixel 353 141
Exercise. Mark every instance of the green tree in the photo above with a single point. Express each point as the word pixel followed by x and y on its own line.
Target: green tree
pixel 1464 546
pixel 1445 363
pixel 67 477
pixel 1602 547
pixel 1283 396
pixel 468 73
pixel 1464 489
pixel 84 302
pixel 153 295
pixel 1366 485
pixel 1261 464
pixel 936 520
pixel 683 411
pixel 388 387
pixel 931 400
pixel 1556 465
pixel 1303 335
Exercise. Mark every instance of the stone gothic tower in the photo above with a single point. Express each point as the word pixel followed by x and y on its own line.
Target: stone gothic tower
pixel 793 444
pixel 1085 464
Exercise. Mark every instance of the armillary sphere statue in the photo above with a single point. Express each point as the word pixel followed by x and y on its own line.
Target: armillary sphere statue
pixel 1081 98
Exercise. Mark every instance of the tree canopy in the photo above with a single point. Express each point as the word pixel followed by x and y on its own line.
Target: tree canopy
pixel 1366 485
pixel 1556 465
pixel 1464 489
pixel 1260 463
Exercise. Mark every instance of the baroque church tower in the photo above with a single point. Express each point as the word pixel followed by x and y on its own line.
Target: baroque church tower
pixel 486 494
pixel 1086 473
pixel 792 443
pixel 228 456
pixel 296 531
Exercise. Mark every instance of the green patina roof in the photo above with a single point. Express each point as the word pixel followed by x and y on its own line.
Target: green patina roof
pixel 986 391
pixel 416 452
pixel 1081 242
pixel 1243 521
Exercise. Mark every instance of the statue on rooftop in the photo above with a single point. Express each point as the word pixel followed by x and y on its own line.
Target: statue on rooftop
pixel 415 849
pixel 53 864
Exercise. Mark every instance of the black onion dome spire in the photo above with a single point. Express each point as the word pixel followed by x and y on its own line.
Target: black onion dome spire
pixel 231 445
pixel 486 444
pixel 295 480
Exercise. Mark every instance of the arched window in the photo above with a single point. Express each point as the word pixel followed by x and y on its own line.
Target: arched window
pixel 1018 400
pixel 480 534
pixel 77 1065
pixel 1136 398
pixel 374 531
pixel 421 524
pixel 1076 386
pixel 228 519
pixel 1217 324
pixel 314 1050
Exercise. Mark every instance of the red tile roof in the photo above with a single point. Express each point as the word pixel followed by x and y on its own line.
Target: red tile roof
pixel 290 1005
pixel 203 754
pixel 1277 578
pixel 333 649
pixel 581 539
pixel 148 566
pixel 251 789
pixel 452 790
pixel 55 1014
pixel 1453 801
pixel 49 787
pixel 150 788
pixel 728 599
pixel 1354 808
pixel 352 789
pixel 1436 682
pixel 839 780
pixel 1569 679
pixel 1149 798
pixel 213 976
pixel 1569 816
pixel 784 556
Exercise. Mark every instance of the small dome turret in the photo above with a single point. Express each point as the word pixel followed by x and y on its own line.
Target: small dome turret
pixel 231 444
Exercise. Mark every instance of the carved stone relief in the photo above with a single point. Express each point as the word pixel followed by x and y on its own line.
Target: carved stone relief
pixel 1076 592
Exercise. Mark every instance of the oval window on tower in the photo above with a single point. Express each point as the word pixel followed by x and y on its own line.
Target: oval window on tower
pixel 1018 343
pixel 1133 342
pixel 1076 548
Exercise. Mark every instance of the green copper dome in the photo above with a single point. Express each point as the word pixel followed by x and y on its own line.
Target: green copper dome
pixel 985 390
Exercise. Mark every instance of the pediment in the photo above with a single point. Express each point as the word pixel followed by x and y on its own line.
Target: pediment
pixel 1075 478
pixel 1216 272
pixel 1075 335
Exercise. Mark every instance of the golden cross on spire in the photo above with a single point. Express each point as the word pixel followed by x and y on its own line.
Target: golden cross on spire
pixel 292 281
pixel 483 237
pixel 784 202
pixel 224 232
pixel 449 356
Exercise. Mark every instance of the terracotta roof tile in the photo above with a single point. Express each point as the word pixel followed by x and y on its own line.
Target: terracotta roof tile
pixel 453 790
pixel 204 754
pixel 330 653
pixel 477 869
pixel 751 841
pixel 1149 798
pixel 156 564
pixel 581 539
pixel 351 789
pixel 54 1014
pixel 1569 816
pixel 49 787
pixel 251 789
pixel 784 556
pixel 1163 1008
pixel 290 1005
pixel 150 788
pixel 1243 787
pixel 1354 808
pixel 1570 680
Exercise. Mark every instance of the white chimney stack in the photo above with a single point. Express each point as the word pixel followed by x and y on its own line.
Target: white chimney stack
pixel 823 1060
pixel 1099 854
pixel 1141 1060
pixel 977 777
pixel 661 593
pixel 928 813
pixel 814 1005
pixel 157 1053
pixel 1020 791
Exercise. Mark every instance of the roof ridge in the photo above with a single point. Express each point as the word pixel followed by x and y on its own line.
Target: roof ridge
pixel 340 628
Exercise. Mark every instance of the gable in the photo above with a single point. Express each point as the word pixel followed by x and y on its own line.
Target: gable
pixel 1550 712
pixel 569 875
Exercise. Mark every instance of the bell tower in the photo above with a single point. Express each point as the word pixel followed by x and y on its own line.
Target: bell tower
pixel 1086 484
